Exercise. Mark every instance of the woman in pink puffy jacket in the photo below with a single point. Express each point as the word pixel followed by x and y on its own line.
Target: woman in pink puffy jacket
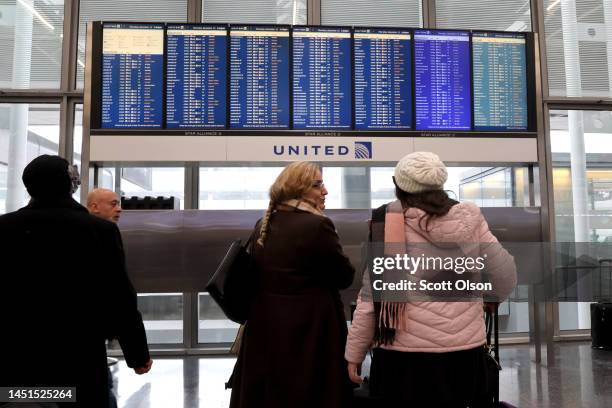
pixel 429 353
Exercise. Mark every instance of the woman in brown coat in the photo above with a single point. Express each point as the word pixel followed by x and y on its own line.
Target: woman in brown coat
pixel 293 345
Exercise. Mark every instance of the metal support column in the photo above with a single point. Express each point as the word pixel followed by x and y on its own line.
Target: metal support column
pixel 314 12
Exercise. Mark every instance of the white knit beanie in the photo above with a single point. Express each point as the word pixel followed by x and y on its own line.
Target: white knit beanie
pixel 420 171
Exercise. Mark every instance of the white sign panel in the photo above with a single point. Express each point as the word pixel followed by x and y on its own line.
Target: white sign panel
pixel 320 149
pixel 107 148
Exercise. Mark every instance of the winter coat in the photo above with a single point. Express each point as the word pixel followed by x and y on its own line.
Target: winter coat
pixel 64 290
pixel 439 327
pixel 293 345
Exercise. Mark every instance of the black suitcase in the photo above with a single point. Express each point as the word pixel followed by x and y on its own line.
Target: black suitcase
pixel 601 312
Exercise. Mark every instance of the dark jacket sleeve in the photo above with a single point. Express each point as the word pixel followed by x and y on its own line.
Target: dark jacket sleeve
pixel 330 259
pixel 125 321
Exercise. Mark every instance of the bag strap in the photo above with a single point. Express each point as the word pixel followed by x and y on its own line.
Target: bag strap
pixel 250 242
pixel 491 323
pixel 377 235
pixel 377 226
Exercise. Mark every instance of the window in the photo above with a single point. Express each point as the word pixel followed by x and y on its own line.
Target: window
pixel 485 186
pixel 255 11
pixel 578 49
pixel 509 15
pixel 162 314
pixel 213 326
pixel 336 194
pixel 26 131
pixel 388 13
pixel 134 10
pixel 488 187
pixel 582 180
pixel 154 182
pixel 31 45
pixel 232 188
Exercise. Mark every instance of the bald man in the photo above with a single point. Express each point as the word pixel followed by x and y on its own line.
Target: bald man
pixel 104 203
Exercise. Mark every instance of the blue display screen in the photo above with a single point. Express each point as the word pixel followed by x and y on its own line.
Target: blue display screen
pixel 196 66
pixel 500 81
pixel 322 78
pixel 259 77
pixel 383 79
pixel 442 80
pixel 132 75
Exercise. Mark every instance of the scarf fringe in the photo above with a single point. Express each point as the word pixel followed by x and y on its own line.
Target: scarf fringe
pixel 390 315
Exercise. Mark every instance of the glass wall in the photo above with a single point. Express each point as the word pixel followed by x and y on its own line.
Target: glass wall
pixel 31 33
pixel 26 131
pixel 255 11
pixel 508 15
pixel 154 182
pixel 232 188
pixel 485 186
pixel 162 314
pixel 213 326
pixel 581 144
pixel 386 13
pixel 579 47
pixel 118 10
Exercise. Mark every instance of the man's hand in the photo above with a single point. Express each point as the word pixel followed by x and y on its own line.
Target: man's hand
pixel 144 369
pixel 354 372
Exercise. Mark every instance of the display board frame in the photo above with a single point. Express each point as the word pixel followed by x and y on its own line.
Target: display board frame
pixel 96 95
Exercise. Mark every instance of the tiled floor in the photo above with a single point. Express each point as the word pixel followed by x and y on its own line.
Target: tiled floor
pixel 581 378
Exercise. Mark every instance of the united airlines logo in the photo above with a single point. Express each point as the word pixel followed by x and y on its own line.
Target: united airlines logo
pixel 363 150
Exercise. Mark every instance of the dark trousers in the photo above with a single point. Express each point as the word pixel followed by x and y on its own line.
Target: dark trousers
pixel 429 380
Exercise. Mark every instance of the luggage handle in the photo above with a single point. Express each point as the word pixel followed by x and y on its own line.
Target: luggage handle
pixel 603 261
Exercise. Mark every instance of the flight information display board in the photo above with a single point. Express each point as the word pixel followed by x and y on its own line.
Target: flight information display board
pixel 132 75
pixel 500 81
pixel 322 96
pixel 383 79
pixel 259 77
pixel 442 80
pixel 248 79
pixel 196 66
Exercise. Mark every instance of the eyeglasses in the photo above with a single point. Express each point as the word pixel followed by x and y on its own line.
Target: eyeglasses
pixel 318 184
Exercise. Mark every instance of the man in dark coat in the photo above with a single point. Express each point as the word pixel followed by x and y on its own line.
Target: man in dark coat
pixel 64 290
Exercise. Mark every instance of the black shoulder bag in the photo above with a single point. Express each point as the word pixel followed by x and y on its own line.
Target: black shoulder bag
pixel 232 284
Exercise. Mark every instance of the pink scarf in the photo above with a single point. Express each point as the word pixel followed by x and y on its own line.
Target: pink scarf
pixel 392 313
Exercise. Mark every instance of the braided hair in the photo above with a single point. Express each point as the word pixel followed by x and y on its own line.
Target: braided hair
pixel 292 183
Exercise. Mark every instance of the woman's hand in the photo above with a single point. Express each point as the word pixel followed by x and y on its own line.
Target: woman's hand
pixel 354 372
